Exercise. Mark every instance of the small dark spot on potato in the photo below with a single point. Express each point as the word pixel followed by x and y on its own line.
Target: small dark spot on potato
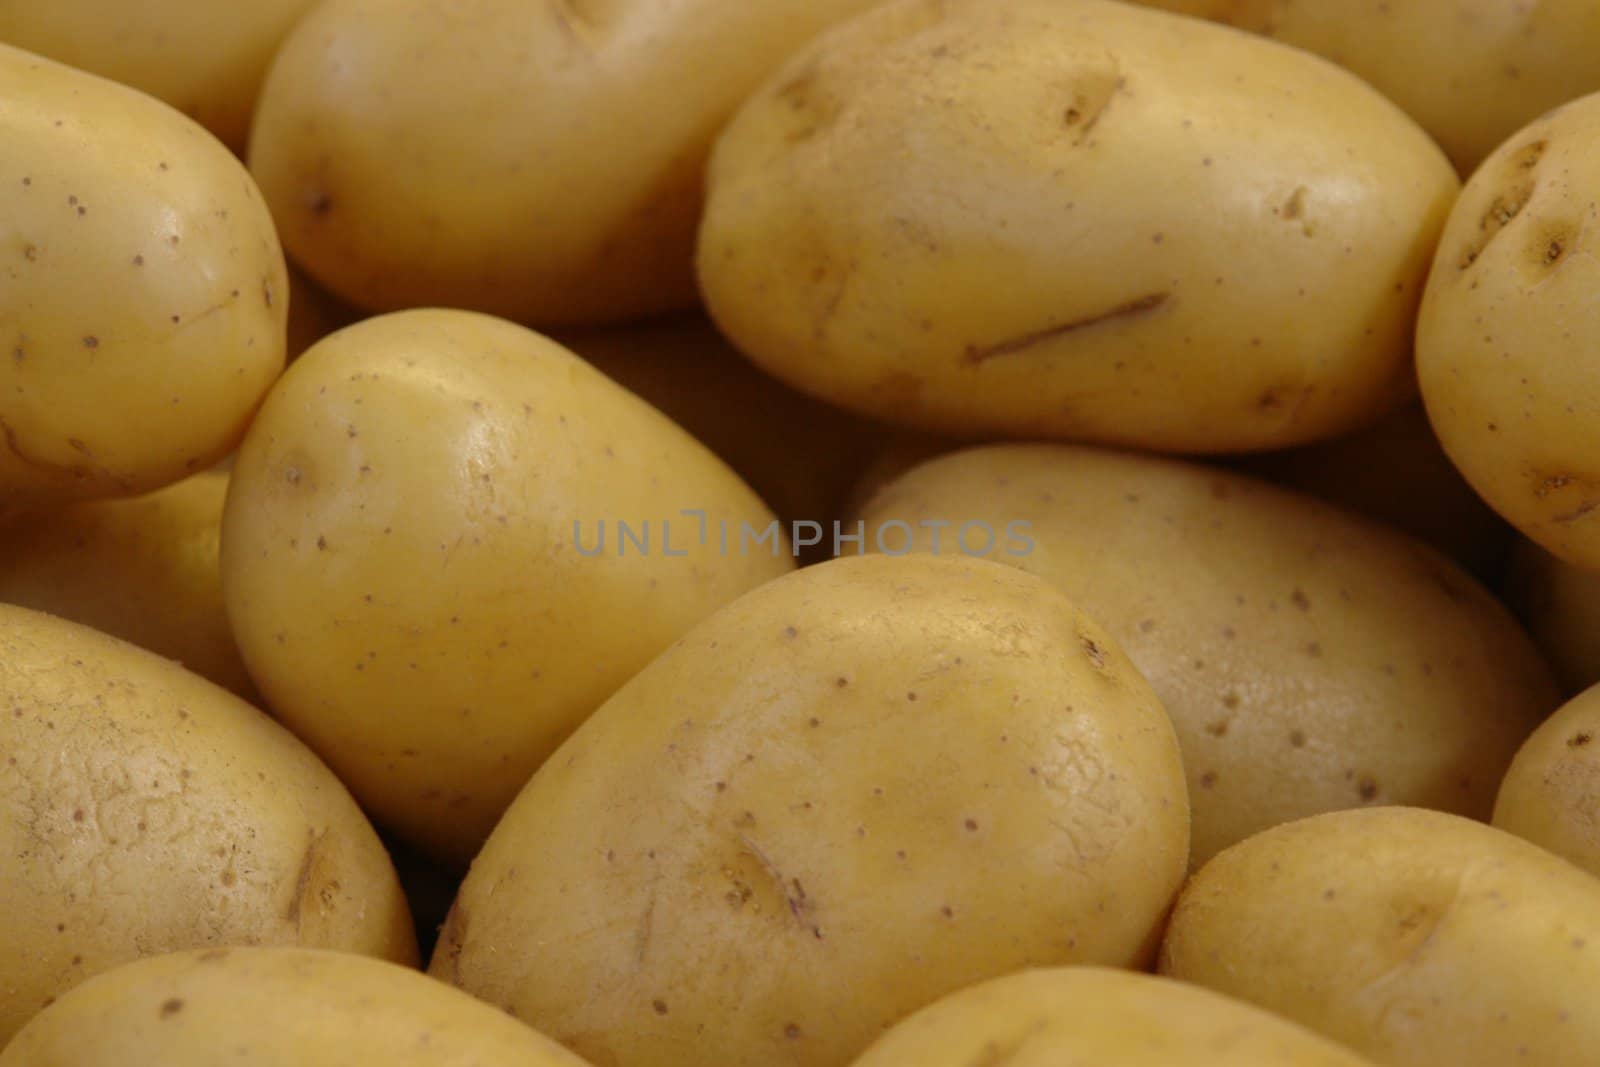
pixel 660 1006
pixel 1368 790
pixel 1579 740
pixel 1208 779
pixel 1297 738
pixel 971 825
pixel 792 1031
pixel 91 342
pixel 171 1006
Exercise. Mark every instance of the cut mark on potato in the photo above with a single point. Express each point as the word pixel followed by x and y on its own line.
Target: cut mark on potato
pixel 1133 309
pixel 1502 211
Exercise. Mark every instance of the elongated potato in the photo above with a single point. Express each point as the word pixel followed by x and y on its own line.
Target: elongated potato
pixel 1551 794
pixel 1560 605
pixel 143 298
pixel 848 793
pixel 145 810
pixel 1414 937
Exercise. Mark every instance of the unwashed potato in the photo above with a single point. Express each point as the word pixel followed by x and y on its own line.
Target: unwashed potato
pixel 1310 660
pixel 1560 605
pixel 274 1007
pixel 1508 327
pixel 1471 72
pixel 205 58
pixel 1414 937
pixel 1083 1016
pixel 1551 794
pixel 1075 219
pixel 142 307
pixel 424 563
pixel 539 160
pixel 850 792
pixel 145 810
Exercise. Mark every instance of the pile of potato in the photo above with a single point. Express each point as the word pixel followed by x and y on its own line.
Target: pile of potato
pixel 907 533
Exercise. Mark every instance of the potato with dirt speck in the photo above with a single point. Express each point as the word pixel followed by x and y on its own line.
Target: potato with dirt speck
pixel 1075 219
pixel 274 1007
pixel 1310 660
pixel 1560 605
pixel 848 793
pixel 145 810
pixel 1551 794
pixel 1414 937
pixel 142 290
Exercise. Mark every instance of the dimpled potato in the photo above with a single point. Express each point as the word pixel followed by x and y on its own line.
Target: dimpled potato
pixel 1507 325
pixel 1082 1016
pixel 1414 937
pixel 845 795
pixel 423 565
pixel 1560 605
pixel 1310 660
pixel 1551 794
pixel 1208 241
pixel 142 290
pixel 275 1007
pixel 145 810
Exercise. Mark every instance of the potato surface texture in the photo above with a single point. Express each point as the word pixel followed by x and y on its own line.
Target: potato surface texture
pixel 1551 794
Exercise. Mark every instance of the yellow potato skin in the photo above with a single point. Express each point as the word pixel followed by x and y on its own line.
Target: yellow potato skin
pixel 1551 794
pixel 1414 937
pixel 145 810
pixel 411 564
pixel 1560 605
pixel 1181 272
pixel 1086 1016
pixel 1310 660
pixel 144 298
pixel 275 1007
pixel 847 794
pixel 1509 302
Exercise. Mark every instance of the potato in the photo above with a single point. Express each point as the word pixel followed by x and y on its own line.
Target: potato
pixel 425 564
pixel 845 795
pixel 1472 72
pixel 205 59
pixel 144 570
pixel 1561 606
pixel 1551 794
pixel 538 160
pixel 275 1007
pixel 1122 226
pixel 1310 660
pixel 1093 1015
pixel 1509 303
pixel 142 316
pixel 145 810
pixel 1415 937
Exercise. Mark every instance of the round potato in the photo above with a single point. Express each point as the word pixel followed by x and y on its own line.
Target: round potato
pixel 275 1007
pixel 1310 660
pixel 1414 937
pixel 1094 1015
pixel 1551 794
pixel 1509 302
pixel 145 810
pixel 448 540
pixel 850 792
pixel 1209 242
pixel 1561 606
pixel 142 313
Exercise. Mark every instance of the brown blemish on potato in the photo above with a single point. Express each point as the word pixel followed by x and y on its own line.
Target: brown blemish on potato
pixel 659 1006
pixel 1208 780
pixel 304 878
pixel 1090 100
pixel 1297 739
pixel 170 1007
pixel 1579 740
pixel 1367 789
pixel 1092 649
pixel 452 937
pixel 1136 308
pixel 792 1031
pixel 1502 211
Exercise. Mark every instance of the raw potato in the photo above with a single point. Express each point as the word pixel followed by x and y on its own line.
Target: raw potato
pixel 204 58
pixel 1079 1016
pixel 1560 605
pixel 538 159
pixel 1472 72
pixel 416 569
pixel 145 810
pixel 144 569
pixel 275 1007
pixel 1208 241
pixel 1509 309
pixel 847 794
pixel 143 301
pixel 1551 794
pixel 1416 938
pixel 1310 660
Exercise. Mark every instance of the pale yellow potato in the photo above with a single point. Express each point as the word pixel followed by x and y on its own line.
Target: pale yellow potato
pixel 145 810
pixel 1560 605
pixel 204 57
pixel 1091 1016
pixel 143 297
pixel 143 569
pixel 275 1007
pixel 1551 794
pixel 540 160
pixel 847 794
pixel 1471 72
pixel 1507 323
pixel 1310 660
pixel 1414 937
pixel 424 565
pixel 1075 219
